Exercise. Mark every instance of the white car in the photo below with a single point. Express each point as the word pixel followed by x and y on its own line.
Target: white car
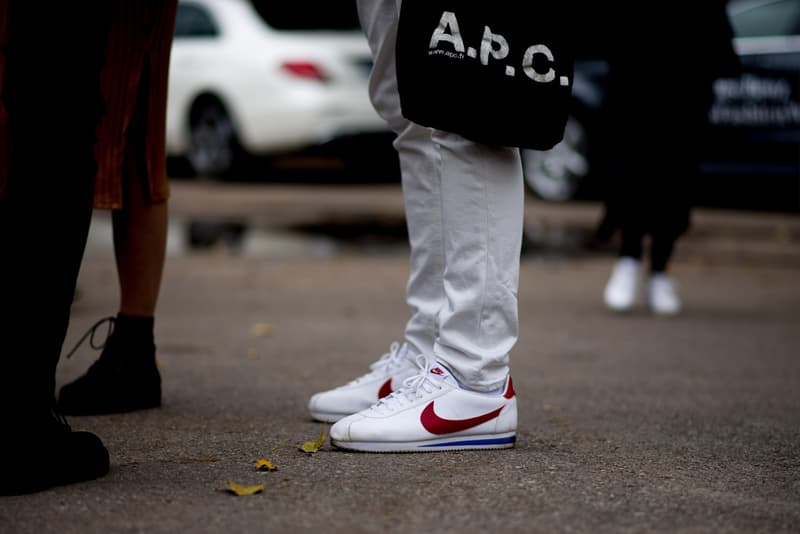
pixel 264 77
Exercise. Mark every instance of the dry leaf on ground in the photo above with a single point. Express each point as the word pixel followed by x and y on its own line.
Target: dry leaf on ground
pixel 241 491
pixel 261 330
pixel 313 446
pixel 262 464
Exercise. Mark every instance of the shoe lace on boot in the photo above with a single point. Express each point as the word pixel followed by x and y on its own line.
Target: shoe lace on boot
pixel 414 388
pixel 60 419
pixel 90 335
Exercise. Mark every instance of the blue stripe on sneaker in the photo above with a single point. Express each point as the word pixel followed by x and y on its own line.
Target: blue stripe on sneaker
pixel 495 441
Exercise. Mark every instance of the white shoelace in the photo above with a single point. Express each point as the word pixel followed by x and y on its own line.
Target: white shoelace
pixel 385 363
pixel 414 388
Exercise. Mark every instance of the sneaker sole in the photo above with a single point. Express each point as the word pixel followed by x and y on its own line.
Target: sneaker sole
pixel 324 417
pixel 665 313
pixel 620 310
pixel 461 443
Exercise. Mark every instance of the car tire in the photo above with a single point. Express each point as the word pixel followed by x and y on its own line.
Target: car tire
pixel 214 149
pixel 556 175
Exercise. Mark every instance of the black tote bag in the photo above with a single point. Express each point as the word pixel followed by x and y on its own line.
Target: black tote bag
pixel 498 72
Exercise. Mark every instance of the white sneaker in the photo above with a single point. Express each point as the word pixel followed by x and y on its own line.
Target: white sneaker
pixel 661 295
pixel 432 413
pixel 385 376
pixel 622 286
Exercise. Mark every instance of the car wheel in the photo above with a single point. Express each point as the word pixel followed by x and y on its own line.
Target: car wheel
pixel 214 149
pixel 556 174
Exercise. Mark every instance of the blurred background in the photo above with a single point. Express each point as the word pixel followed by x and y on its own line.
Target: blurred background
pixel 267 91
pixel 288 259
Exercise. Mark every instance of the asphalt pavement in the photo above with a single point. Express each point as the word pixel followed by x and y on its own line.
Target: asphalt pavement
pixel 627 423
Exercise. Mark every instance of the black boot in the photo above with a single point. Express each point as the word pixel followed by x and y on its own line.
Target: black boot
pixel 41 451
pixel 125 377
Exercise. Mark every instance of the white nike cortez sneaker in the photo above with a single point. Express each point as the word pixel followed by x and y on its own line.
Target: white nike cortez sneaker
pixel 661 295
pixel 622 286
pixel 385 376
pixel 432 413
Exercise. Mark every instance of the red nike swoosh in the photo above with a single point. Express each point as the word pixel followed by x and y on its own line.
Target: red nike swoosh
pixel 386 389
pixel 437 425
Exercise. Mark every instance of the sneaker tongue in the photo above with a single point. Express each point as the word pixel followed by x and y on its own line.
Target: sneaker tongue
pixel 441 373
pixel 402 353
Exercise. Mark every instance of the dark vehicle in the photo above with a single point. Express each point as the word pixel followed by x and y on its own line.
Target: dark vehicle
pixel 751 158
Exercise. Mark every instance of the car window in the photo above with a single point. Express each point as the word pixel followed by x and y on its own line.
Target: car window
pixel 319 15
pixel 766 19
pixel 194 20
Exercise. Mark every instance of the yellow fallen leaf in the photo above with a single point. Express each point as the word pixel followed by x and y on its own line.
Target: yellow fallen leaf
pixel 242 491
pixel 261 330
pixel 263 464
pixel 313 446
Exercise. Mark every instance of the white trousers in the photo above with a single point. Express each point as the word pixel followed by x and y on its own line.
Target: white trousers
pixel 464 208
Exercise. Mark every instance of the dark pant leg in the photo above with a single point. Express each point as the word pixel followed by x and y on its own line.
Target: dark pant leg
pixel 660 253
pixel 51 93
pixel 632 242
